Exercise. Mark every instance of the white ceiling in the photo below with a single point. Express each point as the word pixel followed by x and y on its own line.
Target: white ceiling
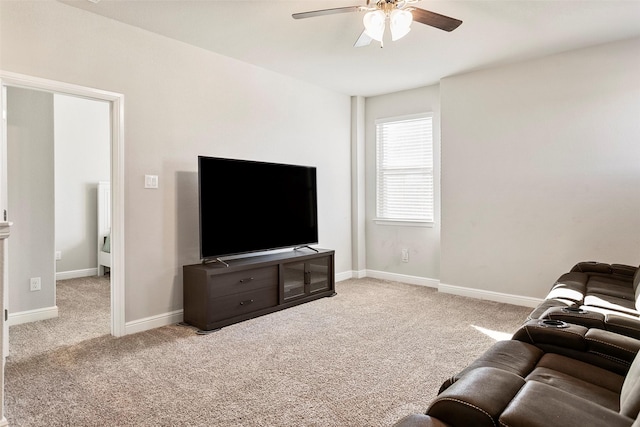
pixel 320 50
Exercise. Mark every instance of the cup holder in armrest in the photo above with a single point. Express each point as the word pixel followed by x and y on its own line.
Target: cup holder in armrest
pixel 574 310
pixel 551 323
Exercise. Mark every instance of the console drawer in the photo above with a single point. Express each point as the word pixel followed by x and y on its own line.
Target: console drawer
pixel 243 281
pixel 241 303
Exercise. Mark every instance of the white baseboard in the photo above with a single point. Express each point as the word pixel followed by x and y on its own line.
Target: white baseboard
pixel 74 274
pixel 490 295
pixel 345 275
pixel 153 322
pixel 360 274
pixel 32 315
pixel 404 278
pixel 455 290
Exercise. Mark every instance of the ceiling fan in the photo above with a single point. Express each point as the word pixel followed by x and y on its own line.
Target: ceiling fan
pixel 399 13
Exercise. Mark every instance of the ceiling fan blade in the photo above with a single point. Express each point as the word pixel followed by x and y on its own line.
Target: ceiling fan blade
pixel 363 40
pixel 323 12
pixel 435 19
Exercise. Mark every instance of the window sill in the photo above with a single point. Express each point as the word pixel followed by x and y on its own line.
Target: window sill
pixel 404 223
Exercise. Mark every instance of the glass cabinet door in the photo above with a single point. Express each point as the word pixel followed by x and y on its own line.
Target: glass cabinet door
pixel 294 280
pixel 305 278
pixel 318 274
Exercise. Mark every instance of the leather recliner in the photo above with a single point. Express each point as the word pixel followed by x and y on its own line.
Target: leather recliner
pixel 518 383
pixel 596 295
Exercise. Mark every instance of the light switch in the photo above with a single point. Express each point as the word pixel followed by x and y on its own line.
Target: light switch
pixel 151 181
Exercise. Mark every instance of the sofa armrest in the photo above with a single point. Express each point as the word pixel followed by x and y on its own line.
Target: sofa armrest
pixel 590 317
pixel 477 398
pixel 598 347
pixel 517 357
pixel 553 332
pixel 541 405
pixel 576 316
pixel 420 420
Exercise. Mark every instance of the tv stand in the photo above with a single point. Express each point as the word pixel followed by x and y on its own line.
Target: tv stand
pixel 250 287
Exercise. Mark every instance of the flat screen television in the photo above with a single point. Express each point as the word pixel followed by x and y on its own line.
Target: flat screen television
pixel 248 206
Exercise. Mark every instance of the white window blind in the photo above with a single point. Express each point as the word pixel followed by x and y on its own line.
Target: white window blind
pixel 405 169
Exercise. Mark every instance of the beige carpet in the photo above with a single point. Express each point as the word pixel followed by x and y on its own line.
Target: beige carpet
pixel 374 353
pixel 84 312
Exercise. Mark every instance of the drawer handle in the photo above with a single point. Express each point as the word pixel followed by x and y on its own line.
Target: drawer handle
pixel 246 280
pixel 247 302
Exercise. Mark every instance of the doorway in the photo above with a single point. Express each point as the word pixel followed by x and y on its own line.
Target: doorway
pixel 115 101
pixel 58 151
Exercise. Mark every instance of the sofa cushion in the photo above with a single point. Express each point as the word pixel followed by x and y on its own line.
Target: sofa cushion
pixel 612 345
pixel 622 323
pixel 582 371
pixel 610 303
pixel 608 286
pixel 582 379
pixel 624 270
pixel 541 405
pixel 570 286
pixel 575 386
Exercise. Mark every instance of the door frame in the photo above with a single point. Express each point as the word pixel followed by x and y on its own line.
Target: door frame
pixel 116 101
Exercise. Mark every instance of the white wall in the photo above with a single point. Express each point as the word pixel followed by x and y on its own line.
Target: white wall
pixel 541 169
pixel 82 158
pixel 30 202
pixel 182 101
pixel 385 242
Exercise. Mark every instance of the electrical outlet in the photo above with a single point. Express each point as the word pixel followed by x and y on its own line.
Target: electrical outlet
pixel 405 255
pixel 58 255
pixel 35 284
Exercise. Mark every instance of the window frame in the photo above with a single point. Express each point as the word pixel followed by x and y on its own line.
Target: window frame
pixel 430 171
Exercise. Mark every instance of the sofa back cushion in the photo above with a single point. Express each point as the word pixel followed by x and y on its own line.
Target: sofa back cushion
pixel 630 393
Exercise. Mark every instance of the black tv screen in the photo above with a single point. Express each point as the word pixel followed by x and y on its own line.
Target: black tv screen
pixel 248 206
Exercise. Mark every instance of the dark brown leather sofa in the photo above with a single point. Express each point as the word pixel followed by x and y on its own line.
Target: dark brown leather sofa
pixel 573 363
pixel 516 383
pixel 596 295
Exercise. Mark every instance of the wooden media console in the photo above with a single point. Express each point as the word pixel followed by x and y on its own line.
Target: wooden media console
pixel 216 295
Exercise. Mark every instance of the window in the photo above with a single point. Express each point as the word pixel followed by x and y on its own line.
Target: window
pixel 404 186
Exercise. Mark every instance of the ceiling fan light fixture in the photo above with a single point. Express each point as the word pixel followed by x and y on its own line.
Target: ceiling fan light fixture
pixel 400 23
pixel 374 23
